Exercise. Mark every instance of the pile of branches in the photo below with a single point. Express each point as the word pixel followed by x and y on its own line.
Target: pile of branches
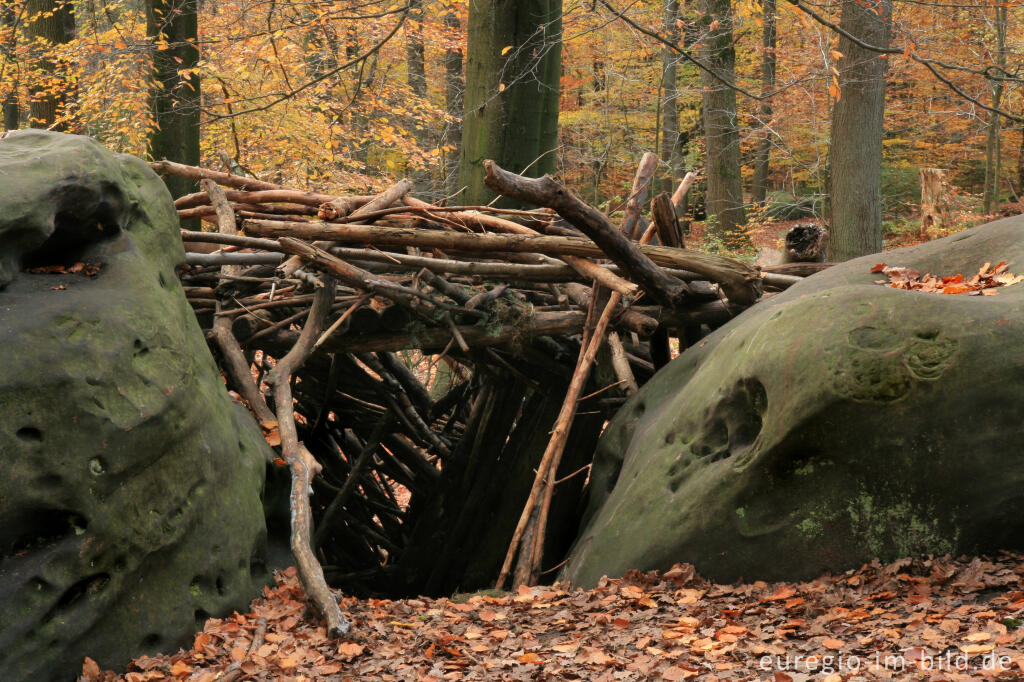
pixel 436 377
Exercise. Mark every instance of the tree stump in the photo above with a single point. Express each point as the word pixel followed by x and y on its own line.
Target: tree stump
pixel 934 201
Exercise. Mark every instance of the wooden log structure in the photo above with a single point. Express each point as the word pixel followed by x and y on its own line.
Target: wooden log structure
pixel 436 377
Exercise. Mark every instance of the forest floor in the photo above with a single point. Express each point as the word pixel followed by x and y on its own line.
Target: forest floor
pixel 923 619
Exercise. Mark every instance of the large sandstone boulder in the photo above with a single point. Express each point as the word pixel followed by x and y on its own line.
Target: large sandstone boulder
pixel 833 423
pixel 129 483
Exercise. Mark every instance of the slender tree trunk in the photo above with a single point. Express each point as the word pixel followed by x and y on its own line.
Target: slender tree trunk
pixel 414 52
pixel 12 113
pixel 11 105
pixel 454 87
pixel 762 155
pixel 724 198
pixel 48 23
pixel 175 100
pixel 671 151
pixel 855 154
pixel 1020 164
pixel 993 136
pixel 513 69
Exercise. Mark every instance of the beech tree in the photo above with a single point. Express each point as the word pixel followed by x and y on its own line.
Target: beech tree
pixel 855 153
pixel 10 15
pixel 172 27
pixel 724 198
pixel 671 150
pixel 49 22
pixel 513 66
pixel 762 155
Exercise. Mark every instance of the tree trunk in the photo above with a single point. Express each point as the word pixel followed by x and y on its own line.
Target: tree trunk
pixel 414 49
pixel 855 155
pixel 175 99
pixel 993 137
pixel 1020 163
pixel 762 155
pixel 724 197
pixel 52 22
pixel 513 68
pixel 454 87
pixel 934 202
pixel 11 105
pixel 671 150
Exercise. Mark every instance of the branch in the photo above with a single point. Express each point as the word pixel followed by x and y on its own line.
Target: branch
pixel 930 64
pixel 303 466
pixel 617 246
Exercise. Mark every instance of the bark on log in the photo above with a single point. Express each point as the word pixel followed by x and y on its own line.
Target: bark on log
pixel 663 211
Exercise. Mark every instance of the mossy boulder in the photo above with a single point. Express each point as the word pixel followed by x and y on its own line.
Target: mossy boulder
pixel 834 423
pixel 129 482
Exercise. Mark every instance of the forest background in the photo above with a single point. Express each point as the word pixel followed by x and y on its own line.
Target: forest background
pixel 348 95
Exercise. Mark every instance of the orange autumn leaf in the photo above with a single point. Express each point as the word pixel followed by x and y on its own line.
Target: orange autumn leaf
pixel 833 644
pixel 180 669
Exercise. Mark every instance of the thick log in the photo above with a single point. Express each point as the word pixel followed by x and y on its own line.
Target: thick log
pixel 739 281
pixel 666 222
pixel 641 182
pixel 615 245
pixel 806 243
pixel 797 269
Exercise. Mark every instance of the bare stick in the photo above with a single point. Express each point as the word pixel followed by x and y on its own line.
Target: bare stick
pixel 383 200
pixel 303 466
pixel 684 187
pixel 235 363
pixel 234 672
pixel 553 453
pixel 620 363
pixel 587 269
pixel 353 276
pixel 739 281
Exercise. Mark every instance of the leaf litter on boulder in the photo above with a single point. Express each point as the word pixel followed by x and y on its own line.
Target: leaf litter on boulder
pixel 984 283
pixel 930 619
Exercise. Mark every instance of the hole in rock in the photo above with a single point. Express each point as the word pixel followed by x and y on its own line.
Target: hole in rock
pixel 29 434
pixel 151 641
pixel 92 584
pixel 38 527
pixel 85 215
